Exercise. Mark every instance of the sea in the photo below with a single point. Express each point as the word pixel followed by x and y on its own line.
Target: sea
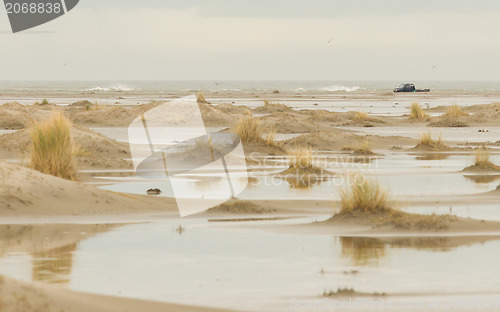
pixel 26 88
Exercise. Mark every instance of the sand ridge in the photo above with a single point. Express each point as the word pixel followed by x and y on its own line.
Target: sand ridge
pixel 19 296
pixel 27 192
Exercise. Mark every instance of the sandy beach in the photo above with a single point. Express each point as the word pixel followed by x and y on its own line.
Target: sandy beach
pixel 249 156
pixel 443 203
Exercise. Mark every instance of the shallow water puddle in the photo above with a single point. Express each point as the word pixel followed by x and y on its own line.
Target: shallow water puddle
pixel 374 104
pixel 462 135
pixel 403 174
pixel 216 264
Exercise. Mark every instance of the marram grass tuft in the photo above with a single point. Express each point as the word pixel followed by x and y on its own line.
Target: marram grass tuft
pixel 53 149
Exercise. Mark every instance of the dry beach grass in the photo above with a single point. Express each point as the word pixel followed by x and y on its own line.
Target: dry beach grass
pixel 53 149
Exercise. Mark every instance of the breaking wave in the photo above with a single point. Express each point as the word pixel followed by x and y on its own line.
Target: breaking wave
pixel 109 89
pixel 340 88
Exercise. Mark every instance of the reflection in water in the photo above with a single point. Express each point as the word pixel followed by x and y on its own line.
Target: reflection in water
pixel 432 156
pixel 53 266
pixel 162 265
pixel 206 184
pixel 304 183
pixel 368 250
pixel 253 182
pixel 437 244
pixel 482 179
pixel 50 245
pixel 362 250
pixel 363 159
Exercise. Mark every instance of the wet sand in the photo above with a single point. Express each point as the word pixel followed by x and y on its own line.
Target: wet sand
pixel 16 295
pixel 28 197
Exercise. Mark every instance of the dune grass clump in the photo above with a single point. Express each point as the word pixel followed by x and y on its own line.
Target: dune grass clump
pixel 417 113
pixel 360 116
pixel 301 158
pixel 302 172
pixel 92 107
pixel 363 147
pixel 250 130
pixel 455 111
pixel 482 158
pixel 482 161
pixel 364 195
pixel 44 102
pixel 53 149
pixel 201 98
pixel 426 139
pixel 365 199
pixel 428 143
pixel 270 137
pixel 268 103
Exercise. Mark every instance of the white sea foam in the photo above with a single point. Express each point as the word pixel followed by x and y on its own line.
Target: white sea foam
pixel 110 89
pixel 341 88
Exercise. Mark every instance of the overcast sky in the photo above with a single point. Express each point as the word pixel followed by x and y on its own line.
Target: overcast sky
pixel 259 40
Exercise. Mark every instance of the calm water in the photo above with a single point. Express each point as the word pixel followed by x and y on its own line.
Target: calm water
pixel 404 175
pixel 231 266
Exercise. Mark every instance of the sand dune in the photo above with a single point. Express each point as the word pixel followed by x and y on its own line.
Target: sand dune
pixel 33 197
pixel 15 116
pixel 286 122
pixel 336 140
pixel 98 151
pixel 26 192
pixel 370 226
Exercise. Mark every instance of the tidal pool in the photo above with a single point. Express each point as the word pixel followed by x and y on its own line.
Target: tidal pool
pixel 219 264
pixel 404 175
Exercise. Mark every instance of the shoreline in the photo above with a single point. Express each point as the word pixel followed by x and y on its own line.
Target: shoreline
pixel 36 296
pixel 29 199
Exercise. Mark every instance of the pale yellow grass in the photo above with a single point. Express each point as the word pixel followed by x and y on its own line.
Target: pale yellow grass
pixel 53 150
pixel 417 113
pixel 361 116
pixel 482 160
pixel 251 130
pixel 301 157
pixel 364 195
pixel 367 200
pixel 270 137
pixel 201 98
pixel 363 147
pixel 455 111
pixel 427 142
